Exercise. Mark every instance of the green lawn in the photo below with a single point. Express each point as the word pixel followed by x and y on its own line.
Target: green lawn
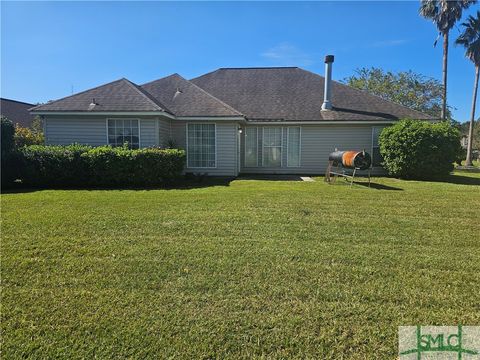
pixel 253 269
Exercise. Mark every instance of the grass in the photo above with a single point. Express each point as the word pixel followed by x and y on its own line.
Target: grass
pixel 271 269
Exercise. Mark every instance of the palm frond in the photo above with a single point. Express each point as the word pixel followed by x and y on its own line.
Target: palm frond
pixel 470 38
pixel 444 13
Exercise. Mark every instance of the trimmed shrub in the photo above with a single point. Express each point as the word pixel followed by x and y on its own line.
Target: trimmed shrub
pixel 413 149
pixel 54 165
pixel 117 166
pixel 79 165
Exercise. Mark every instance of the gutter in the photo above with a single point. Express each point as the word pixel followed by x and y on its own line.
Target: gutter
pixel 103 113
pixel 133 113
pixel 210 118
pixel 322 122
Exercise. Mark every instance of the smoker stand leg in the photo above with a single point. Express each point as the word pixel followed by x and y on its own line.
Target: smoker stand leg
pixel 327 173
pixel 353 176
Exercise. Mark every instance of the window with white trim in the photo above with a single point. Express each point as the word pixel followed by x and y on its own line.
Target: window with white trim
pixel 377 158
pixel 124 131
pixel 201 147
pixel 251 146
pixel 293 146
pixel 272 146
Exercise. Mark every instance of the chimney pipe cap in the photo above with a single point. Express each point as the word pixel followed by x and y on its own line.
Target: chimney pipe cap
pixel 329 59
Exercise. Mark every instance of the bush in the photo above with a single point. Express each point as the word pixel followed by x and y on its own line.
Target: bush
pixel 461 156
pixel 26 136
pixel 117 166
pixel 79 165
pixel 413 149
pixel 9 161
pixel 8 131
pixel 54 165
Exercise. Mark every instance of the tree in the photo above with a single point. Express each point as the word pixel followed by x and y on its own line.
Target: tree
pixel 7 134
pixel 444 14
pixel 8 156
pixel 470 40
pixel 406 88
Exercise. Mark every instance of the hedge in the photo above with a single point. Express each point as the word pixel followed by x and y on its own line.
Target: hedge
pixel 80 165
pixel 414 149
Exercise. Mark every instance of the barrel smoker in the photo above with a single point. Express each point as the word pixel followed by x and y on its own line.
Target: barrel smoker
pixel 340 161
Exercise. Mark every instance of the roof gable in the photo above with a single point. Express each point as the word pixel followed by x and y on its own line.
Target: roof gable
pixel 184 98
pixel 119 95
pixel 297 95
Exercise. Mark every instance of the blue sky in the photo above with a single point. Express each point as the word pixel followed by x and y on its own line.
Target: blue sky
pixel 48 48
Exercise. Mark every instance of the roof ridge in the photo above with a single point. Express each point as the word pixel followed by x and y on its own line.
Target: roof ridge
pixel 17 101
pixel 147 95
pixel 244 68
pixel 81 92
pixel 364 92
pixel 206 74
pixel 258 67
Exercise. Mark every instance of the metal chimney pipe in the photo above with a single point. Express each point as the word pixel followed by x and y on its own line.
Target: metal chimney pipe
pixel 327 104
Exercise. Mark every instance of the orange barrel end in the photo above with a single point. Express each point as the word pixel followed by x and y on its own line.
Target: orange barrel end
pixel 348 159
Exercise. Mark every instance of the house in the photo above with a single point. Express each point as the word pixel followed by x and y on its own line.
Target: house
pixel 16 111
pixel 464 141
pixel 275 120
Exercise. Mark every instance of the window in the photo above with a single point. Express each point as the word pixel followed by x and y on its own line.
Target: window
pixel 121 131
pixel 201 146
pixel 293 146
pixel 251 147
pixel 272 146
pixel 376 156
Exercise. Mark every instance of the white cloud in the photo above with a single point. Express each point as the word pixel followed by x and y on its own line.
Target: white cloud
pixel 287 54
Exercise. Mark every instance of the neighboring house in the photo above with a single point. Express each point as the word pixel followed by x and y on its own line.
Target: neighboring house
pixel 229 121
pixel 464 141
pixel 17 111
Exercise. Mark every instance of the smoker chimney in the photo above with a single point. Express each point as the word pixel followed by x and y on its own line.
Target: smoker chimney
pixel 327 104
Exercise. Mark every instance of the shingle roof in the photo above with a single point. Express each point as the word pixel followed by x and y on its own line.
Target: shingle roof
pixel 294 94
pixel 184 98
pixel 16 111
pixel 259 94
pixel 119 95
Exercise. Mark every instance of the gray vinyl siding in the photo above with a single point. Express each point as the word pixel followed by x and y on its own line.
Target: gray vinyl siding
pixel 65 131
pixel 317 142
pixel 163 132
pixel 148 133
pixel 93 130
pixel 226 147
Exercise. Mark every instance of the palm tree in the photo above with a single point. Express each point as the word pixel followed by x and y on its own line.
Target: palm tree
pixel 444 14
pixel 470 39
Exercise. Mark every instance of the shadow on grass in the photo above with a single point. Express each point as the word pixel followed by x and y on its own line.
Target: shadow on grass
pixel 270 177
pixel 182 184
pixel 458 179
pixel 376 186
